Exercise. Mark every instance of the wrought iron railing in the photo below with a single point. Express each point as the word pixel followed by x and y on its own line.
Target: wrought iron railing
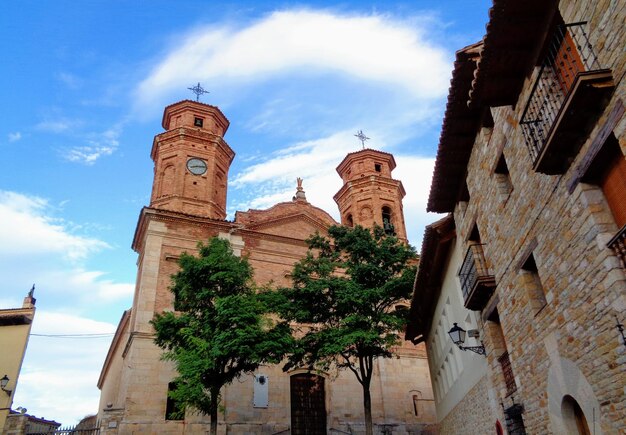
pixel 618 245
pixel 569 54
pixel 474 268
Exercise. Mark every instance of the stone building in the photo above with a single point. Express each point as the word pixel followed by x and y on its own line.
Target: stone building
pixel 531 167
pixel 15 324
pixel 188 204
pixel 21 423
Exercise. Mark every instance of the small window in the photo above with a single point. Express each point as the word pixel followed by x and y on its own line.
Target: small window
pixel 198 122
pixel 532 283
pixel 608 171
pixel 474 235
pixel 503 179
pixel 349 221
pixel 387 222
pixel 377 167
pixel 173 409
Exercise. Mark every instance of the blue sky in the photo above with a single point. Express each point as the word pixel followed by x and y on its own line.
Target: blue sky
pixel 83 90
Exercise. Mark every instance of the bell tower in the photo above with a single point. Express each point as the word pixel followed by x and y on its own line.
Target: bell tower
pixel 369 195
pixel 191 161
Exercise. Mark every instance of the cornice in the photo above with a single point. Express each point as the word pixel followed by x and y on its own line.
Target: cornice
pixel 148 213
pixel 193 134
pixel 372 179
pixel 289 218
pixel 356 155
pixel 114 345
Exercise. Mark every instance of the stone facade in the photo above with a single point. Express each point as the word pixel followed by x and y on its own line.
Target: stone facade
pixel 533 195
pixel 191 166
pixel 472 414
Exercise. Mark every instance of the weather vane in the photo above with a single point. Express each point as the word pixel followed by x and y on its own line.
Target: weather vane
pixel 198 90
pixel 362 138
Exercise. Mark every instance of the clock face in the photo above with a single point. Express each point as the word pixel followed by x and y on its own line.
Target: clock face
pixel 196 166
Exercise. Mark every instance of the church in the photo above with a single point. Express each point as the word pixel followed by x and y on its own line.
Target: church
pixel 188 205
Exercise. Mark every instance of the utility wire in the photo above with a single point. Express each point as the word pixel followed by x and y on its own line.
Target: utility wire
pixel 102 335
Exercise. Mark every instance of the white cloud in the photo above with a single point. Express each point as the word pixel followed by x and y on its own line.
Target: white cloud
pixel 59 375
pixel 274 180
pixel 38 247
pixel 416 174
pixel 99 145
pixel 373 48
pixel 27 229
pixel 14 137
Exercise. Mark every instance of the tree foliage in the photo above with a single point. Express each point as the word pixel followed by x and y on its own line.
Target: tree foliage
pixel 346 290
pixel 220 329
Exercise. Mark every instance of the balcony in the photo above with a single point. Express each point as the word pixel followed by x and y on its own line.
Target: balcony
pixel 618 245
pixel 570 93
pixel 477 283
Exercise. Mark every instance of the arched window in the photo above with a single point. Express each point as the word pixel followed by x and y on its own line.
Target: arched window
pixel 574 417
pixel 387 222
pixel 349 221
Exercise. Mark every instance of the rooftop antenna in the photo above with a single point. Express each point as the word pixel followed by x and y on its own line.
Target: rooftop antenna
pixel 198 90
pixel 362 138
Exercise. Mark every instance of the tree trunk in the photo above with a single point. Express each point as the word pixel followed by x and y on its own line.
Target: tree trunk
pixel 215 393
pixel 367 407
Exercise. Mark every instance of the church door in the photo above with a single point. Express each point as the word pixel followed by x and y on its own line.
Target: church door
pixel 308 409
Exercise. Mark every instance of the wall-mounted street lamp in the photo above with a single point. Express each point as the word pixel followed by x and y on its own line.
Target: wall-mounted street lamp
pixel 3 385
pixel 457 334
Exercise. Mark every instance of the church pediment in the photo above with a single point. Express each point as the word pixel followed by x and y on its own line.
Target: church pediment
pixel 291 219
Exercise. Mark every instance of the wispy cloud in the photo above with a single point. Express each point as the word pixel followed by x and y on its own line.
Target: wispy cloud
pixel 27 228
pixel 71 365
pixel 98 145
pixel 373 48
pixel 14 137
pixel 58 125
pixel 70 80
pixel 38 244
pixel 374 72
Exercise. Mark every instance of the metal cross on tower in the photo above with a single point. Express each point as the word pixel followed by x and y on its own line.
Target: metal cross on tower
pixel 362 138
pixel 198 90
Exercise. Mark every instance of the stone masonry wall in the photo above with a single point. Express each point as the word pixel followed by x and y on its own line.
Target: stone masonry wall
pixel 470 416
pixel 567 345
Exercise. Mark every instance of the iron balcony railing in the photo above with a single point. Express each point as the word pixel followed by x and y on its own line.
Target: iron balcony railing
pixel 569 54
pixel 476 279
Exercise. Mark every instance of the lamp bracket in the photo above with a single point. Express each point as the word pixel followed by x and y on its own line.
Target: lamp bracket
pixel 480 350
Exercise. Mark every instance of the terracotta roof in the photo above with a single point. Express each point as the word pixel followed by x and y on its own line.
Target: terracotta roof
pixel 460 124
pixel 512 42
pixel 435 246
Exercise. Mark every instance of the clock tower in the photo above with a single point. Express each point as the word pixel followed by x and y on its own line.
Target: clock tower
pixel 191 161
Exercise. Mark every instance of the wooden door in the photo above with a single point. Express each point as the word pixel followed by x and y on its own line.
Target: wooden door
pixel 308 405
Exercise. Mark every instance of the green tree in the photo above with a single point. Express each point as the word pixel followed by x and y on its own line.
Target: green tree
pixel 345 291
pixel 220 329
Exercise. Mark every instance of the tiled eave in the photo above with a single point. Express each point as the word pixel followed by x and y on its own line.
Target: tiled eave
pixel 435 247
pixel 514 35
pixel 458 132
